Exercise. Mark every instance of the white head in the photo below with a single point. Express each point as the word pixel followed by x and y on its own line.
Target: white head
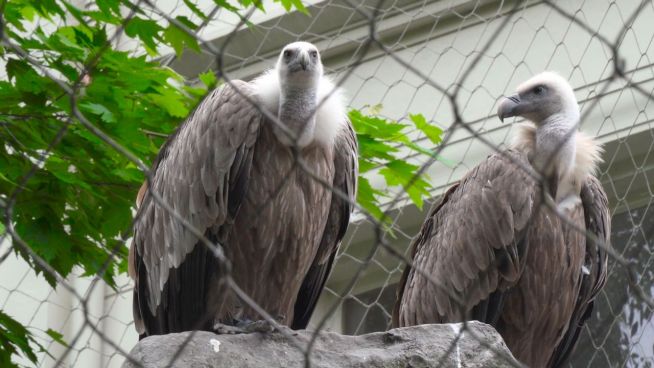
pixel 295 88
pixel 299 65
pixel 544 98
pixel 552 142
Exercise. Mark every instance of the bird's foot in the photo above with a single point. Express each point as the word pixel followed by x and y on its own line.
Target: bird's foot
pixel 262 326
pixel 244 327
pixel 224 329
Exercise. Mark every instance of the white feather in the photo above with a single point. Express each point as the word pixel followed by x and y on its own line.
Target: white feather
pixel 588 153
pixel 588 157
pixel 570 106
pixel 331 117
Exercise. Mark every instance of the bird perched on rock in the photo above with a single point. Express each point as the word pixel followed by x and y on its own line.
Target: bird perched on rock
pixel 499 254
pixel 251 182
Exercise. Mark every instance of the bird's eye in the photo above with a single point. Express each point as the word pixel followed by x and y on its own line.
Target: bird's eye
pixel 288 53
pixel 539 90
pixel 314 54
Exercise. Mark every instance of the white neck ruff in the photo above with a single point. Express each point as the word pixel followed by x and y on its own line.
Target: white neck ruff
pixel 331 117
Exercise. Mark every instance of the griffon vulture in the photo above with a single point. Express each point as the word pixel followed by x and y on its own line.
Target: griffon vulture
pixel 231 172
pixel 493 245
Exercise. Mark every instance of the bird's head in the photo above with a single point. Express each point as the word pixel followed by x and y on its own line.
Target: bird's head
pixel 541 98
pixel 299 64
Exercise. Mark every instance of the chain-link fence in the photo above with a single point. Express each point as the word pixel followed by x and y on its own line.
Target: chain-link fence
pixel 448 60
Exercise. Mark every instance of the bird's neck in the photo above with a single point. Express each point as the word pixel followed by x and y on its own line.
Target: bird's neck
pixel 297 111
pixel 555 152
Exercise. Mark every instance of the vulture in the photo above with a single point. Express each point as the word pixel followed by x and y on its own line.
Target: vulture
pixel 256 185
pixel 491 250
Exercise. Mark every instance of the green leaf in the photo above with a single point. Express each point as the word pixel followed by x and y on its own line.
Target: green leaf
pixel 289 4
pixel 171 102
pixel 26 78
pixel 372 147
pixel 228 6
pixel 13 15
pixel 74 40
pixel 187 22
pixel 379 141
pixel 100 110
pixel 109 6
pixel 28 12
pixel 3 177
pixel 195 9
pixel 209 79
pixel 75 13
pixel 146 30
pixel 56 336
pixel 376 126
pixel 179 39
pixel 46 8
pixel 117 218
pixel 399 172
pixel 366 165
pixel 367 197
pixel 432 132
pixel 14 338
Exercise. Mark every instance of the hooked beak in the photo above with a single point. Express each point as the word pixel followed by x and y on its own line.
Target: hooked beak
pixel 304 59
pixel 508 108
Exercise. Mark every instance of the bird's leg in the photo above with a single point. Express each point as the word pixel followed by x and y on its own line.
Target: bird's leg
pixel 261 325
pixel 243 326
pixel 225 329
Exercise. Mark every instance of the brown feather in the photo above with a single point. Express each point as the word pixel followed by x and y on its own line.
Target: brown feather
pixel 514 263
pixel 345 179
pixel 225 172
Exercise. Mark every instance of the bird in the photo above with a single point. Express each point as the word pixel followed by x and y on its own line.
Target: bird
pixel 492 250
pixel 266 169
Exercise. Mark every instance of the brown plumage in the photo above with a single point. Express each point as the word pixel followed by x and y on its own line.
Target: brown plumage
pixel 492 244
pixel 232 174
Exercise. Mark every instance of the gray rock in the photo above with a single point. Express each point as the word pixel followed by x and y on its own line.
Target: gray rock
pixel 418 346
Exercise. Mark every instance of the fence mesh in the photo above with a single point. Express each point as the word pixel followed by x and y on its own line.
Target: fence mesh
pixel 449 60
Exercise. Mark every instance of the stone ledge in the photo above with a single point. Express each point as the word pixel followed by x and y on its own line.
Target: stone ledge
pixel 418 346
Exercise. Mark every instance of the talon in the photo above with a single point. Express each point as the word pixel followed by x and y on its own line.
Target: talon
pixel 243 327
pixel 223 329
pixel 261 326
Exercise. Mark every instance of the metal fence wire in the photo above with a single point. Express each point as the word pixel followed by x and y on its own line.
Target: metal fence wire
pixel 449 60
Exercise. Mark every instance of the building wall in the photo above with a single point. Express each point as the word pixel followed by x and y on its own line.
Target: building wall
pixel 441 40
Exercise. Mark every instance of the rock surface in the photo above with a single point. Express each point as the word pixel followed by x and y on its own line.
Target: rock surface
pixel 418 346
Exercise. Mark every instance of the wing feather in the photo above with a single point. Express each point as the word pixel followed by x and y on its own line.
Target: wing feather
pixel 598 222
pixel 471 243
pixel 346 170
pixel 193 173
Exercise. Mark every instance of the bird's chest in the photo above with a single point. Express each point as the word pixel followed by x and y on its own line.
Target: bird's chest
pixel 281 221
pixel 556 255
pixel 549 285
pixel 290 188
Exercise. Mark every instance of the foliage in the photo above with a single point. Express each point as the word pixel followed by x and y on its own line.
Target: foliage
pixel 76 208
pixel 380 142
pixel 14 338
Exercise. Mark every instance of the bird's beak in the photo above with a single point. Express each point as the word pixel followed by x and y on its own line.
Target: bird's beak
pixel 508 107
pixel 304 59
